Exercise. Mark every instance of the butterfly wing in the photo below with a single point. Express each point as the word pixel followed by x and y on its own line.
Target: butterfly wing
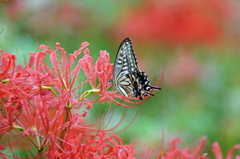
pixel 131 57
pixel 122 83
pixel 121 65
pixel 121 68
pixel 126 74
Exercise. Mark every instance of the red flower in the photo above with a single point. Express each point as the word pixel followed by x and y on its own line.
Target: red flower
pixel 36 104
pixel 68 15
pixel 181 21
pixel 7 61
pixel 218 153
pixel 172 152
pixel 96 146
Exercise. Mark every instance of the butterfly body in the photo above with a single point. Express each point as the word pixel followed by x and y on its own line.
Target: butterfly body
pixel 126 74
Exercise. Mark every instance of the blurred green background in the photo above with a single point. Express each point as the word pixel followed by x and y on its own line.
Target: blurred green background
pixel 197 39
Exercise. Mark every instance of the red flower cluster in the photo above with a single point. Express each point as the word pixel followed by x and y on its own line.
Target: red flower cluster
pixel 177 21
pixel 37 101
pixel 176 153
pixel 218 153
pixel 67 15
pixel 97 146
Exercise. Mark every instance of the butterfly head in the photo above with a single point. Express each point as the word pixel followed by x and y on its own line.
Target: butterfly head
pixel 112 82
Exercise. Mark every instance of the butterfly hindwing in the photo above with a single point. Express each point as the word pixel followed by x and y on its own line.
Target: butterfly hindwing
pixel 123 82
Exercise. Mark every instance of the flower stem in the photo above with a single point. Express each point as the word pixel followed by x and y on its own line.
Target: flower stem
pixel 86 93
pixel 18 128
pixel 68 108
pixel 5 81
pixel 65 129
pixel 40 153
pixel 49 88
pixel 21 129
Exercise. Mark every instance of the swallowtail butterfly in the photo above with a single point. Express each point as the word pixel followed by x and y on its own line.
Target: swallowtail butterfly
pixel 126 74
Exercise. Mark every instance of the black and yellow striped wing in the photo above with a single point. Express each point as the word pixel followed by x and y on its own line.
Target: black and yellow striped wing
pixel 124 65
pixel 132 63
pixel 121 66
pixel 126 75
pixel 121 83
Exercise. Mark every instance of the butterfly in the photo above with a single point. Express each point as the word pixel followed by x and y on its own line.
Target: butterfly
pixel 126 74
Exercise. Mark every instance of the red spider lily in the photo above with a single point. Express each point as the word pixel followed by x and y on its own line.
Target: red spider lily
pixel 7 61
pixel 218 153
pixel 66 88
pixel 173 152
pixel 36 105
pixel 66 14
pixel 176 153
pixel 7 67
pixel 180 21
pixel 97 146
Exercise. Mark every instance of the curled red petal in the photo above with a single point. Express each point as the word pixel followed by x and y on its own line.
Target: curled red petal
pixel 172 144
pixel 217 150
pixel 53 57
pixel 199 147
pixel 122 154
pixel 38 59
pixel 31 59
pixel 46 48
pixel 231 151
pixel 203 156
pixel 63 60
pixel 77 52
pixel 84 113
pixel 7 61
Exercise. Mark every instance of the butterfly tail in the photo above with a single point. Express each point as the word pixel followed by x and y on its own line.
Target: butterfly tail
pixel 153 88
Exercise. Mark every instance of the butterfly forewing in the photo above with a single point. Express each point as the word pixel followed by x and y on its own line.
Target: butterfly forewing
pixel 121 65
pixel 131 57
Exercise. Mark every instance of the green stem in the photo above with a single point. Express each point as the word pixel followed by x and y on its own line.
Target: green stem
pixel 18 128
pixel 21 129
pixel 49 88
pixel 86 93
pixel 65 129
pixel 68 108
pixel 40 153
pixel 5 81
